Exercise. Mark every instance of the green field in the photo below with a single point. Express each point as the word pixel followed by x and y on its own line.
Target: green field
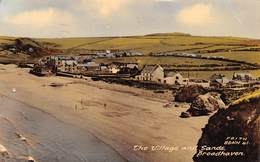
pixel 207 74
pixel 251 57
pixel 5 39
pixel 234 48
pixel 219 46
pixel 67 43
pixel 154 43
pixel 167 60
pixel 181 61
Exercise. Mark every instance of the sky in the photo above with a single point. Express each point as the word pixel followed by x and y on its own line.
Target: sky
pixel 95 18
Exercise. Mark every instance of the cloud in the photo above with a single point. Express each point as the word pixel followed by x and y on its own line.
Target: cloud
pixel 196 15
pixel 105 7
pixel 58 18
pixel 39 18
pixel 164 0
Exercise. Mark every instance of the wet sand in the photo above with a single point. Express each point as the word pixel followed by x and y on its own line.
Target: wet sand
pixel 118 117
pixel 46 138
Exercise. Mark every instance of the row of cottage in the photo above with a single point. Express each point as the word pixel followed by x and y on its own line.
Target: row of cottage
pixel 150 73
pixel 81 65
pixel 156 73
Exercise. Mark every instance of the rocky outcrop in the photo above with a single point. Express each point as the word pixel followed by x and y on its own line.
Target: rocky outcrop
pixel 25 46
pixel 189 93
pixel 29 47
pixel 206 104
pixel 232 134
pixel 229 95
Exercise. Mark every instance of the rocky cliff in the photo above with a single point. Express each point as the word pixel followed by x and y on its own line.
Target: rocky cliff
pixel 232 134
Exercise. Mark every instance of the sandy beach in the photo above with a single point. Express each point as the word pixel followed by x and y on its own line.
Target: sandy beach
pixel 95 119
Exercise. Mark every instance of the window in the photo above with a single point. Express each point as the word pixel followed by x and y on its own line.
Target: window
pixel 177 77
pixel 165 82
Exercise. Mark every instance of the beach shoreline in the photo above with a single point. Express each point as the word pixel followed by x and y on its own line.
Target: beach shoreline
pixel 120 116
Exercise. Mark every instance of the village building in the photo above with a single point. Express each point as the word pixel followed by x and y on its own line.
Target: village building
pixel 106 54
pixel 114 69
pixel 101 55
pixel 175 78
pixel 41 70
pixel 92 66
pixel 218 80
pixel 128 68
pixel 81 68
pixel 152 73
pixel 104 68
pixel 156 73
pixel 132 65
pixel 136 54
pixel 245 77
pixel 68 66
pixel 235 84
pixel 200 82
pixel 83 59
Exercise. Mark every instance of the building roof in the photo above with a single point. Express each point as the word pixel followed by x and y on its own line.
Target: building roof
pixel 82 65
pixel 217 76
pixel 173 73
pixel 70 62
pixel 221 81
pixel 92 64
pixel 59 57
pixel 242 74
pixel 132 65
pixel 150 68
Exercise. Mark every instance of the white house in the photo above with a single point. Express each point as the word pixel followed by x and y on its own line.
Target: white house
pixel 156 73
pixel 114 69
pixel 68 66
pixel 243 77
pixel 175 78
pixel 152 73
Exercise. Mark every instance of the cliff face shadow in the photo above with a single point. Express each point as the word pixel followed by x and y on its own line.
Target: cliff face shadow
pixel 232 135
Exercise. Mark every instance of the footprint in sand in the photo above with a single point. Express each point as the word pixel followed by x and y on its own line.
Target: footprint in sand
pixel 22 138
pixel 27 158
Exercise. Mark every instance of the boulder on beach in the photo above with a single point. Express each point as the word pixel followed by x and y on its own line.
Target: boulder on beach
pixel 26 159
pixel 30 159
pixel 189 93
pixel 185 115
pixel 236 130
pixel 3 150
pixel 206 104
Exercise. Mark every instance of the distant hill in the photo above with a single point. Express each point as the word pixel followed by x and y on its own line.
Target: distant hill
pixel 242 49
pixel 169 34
